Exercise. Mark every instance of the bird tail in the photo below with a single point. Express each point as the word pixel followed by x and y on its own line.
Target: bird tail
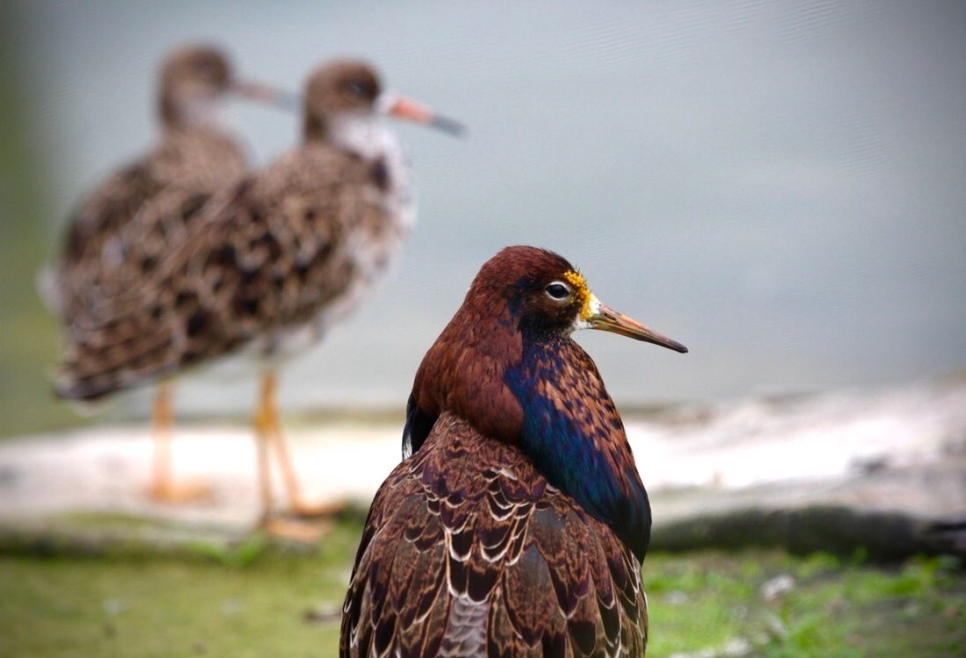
pixel 115 355
pixel 47 285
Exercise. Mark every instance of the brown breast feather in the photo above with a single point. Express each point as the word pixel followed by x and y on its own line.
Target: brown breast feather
pixel 468 550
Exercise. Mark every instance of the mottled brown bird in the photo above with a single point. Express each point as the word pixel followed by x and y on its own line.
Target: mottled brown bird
pixel 272 263
pixel 125 226
pixel 518 523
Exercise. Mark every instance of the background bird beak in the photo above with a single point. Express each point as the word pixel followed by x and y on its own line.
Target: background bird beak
pixel 261 93
pixel 607 319
pixel 410 110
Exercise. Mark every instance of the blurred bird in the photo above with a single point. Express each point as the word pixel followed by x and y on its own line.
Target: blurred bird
pixel 271 264
pixel 121 231
pixel 518 522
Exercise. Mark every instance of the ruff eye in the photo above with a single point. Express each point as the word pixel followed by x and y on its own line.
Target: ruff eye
pixel 356 88
pixel 557 291
pixel 206 69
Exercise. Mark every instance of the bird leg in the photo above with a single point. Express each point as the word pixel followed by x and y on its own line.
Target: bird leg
pixel 263 429
pixel 270 435
pixel 163 487
pixel 289 476
pixel 297 505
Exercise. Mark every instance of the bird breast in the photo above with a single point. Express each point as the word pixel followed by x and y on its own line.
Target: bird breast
pixel 357 211
pixel 390 169
pixel 467 535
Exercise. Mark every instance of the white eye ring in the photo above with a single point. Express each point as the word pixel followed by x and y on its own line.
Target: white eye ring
pixel 557 291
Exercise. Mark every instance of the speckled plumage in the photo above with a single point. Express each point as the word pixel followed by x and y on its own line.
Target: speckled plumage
pixel 126 222
pixel 131 222
pixel 517 523
pixel 266 263
pixel 273 258
pixel 279 255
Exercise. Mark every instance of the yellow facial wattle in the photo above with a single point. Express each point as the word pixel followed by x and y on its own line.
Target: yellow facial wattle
pixel 581 292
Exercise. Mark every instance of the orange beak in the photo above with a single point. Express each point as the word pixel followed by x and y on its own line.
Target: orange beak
pixel 405 108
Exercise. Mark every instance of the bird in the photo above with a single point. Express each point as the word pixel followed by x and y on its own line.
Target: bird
pixel 517 522
pixel 119 232
pixel 269 265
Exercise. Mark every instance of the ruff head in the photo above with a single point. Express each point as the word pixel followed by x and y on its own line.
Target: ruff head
pixel 351 90
pixel 506 363
pixel 523 298
pixel 193 78
pixel 547 298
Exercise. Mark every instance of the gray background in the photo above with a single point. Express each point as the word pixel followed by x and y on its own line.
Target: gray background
pixel 778 185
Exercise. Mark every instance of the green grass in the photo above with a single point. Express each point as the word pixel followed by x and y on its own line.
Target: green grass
pixel 260 600
pixel 243 602
pixel 832 608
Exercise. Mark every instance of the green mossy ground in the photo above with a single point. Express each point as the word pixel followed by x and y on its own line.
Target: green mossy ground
pixel 259 599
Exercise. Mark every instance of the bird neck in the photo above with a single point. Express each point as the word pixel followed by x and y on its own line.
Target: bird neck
pixel 365 136
pixel 361 134
pixel 575 438
pixel 180 113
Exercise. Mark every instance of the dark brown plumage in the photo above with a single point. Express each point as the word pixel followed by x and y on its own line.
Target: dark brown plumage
pixel 270 263
pixel 518 524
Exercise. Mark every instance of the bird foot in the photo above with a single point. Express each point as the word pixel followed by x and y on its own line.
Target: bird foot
pixel 317 511
pixel 302 531
pixel 181 493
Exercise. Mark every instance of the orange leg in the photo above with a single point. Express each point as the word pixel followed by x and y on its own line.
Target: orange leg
pixel 269 431
pixel 162 420
pixel 263 432
pixel 270 406
pixel 163 487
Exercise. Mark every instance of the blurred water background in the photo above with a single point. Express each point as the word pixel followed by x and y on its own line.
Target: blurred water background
pixel 780 185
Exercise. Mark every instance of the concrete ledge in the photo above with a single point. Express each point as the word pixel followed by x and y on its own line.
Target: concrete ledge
pixel 880 471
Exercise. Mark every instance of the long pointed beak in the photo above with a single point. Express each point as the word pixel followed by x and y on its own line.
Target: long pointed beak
pixel 607 319
pixel 408 109
pixel 262 93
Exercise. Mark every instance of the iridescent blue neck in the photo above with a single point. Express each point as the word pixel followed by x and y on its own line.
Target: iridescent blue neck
pixel 574 436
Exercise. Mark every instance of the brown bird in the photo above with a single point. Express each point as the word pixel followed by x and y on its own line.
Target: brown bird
pixel 518 523
pixel 271 264
pixel 121 231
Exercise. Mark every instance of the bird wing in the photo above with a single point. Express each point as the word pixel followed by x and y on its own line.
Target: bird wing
pixel 107 209
pixel 419 423
pixel 254 259
pixel 468 551
pixel 137 215
pixel 99 219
